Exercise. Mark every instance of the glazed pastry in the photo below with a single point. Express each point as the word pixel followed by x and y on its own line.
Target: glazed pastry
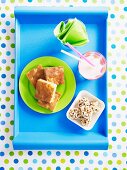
pixel 45 90
pixel 35 74
pixel 54 74
pixel 51 105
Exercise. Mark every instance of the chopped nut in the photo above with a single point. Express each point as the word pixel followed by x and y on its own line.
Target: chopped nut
pixel 82 108
pixel 78 115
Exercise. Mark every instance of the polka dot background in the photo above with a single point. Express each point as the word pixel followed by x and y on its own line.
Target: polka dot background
pixel 115 158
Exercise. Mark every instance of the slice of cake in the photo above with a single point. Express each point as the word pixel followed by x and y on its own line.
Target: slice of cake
pixel 55 74
pixel 35 74
pixel 51 105
pixel 45 90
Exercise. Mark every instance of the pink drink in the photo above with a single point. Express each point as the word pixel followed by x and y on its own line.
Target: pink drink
pixel 93 72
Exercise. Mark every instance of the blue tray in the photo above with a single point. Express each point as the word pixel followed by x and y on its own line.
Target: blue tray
pixel 34 38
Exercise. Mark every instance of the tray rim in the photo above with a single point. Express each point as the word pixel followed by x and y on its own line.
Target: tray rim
pixel 37 9
pixel 50 10
pixel 87 144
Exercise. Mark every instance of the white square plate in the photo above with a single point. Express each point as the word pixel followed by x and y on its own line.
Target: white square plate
pixel 95 116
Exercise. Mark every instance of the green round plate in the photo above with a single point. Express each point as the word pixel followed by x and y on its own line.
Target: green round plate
pixel 67 89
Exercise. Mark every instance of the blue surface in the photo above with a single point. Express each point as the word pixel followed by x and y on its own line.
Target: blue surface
pixel 34 38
